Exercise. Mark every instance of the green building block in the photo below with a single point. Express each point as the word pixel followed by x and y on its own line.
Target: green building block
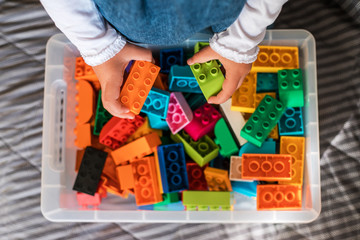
pixel 290 84
pixel 199 45
pixel 102 116
pixel 263 120
pixel 202 151
pixel 224 139
pixel 168 199
pixel 209 77
pixel 206 200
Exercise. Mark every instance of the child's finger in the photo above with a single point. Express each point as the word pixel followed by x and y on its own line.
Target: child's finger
pixel 143 54
pixel 204 55
pixel 228 88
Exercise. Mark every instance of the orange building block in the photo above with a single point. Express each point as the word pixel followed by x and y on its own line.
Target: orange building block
pixel 146 185
pixel 295 146
pixel 275 58
pixel 158 172
pixel 86 102
pixel 278 197
pixel 83 135
pixel 217 179
pixel 117 130
pixel 267 167
pixel 113 187
pixel 138 84
pixel 274 134
pixel 84 71
pixel 110 168
pixel 79 156
pixel 143 130
pixel 125 177
pixel 243 99
pixel 136 149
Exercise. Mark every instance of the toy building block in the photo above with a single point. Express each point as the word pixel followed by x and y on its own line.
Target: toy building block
pixel 79 156
pixel 278 197
pixel 170 57
pixel 143 130
pixel 109 169
pixel 86 102
pixel 125 177
pixel 84 200
pixel 158 123
pixel 84 71
pixel 172 167
pixel 83 135
pixel 195 100
pixel 295 146
pixel 291 123
pixel 243 99
pixel 168 198
pixel 217 179
pixel 161 82
pixel 200 45
pixel 113 187
pixel 268 147
pixel 158 172
pixel 145 182
pixel 179 113
pixel 102 116
pixel 137 149
pixel 267 167
pixel 205 118
pixel 235 169
pixel 220 162
pixel 138 84
pixel 266 82
pixel 209 77
pixel 202 151
pixel 246 188
pixel 290 84
pixel 274 134
pixel 156 103
pixel 88 177
pixel 181 79
pixel 117 130
pixel 196 177
pixel 260 96
pixel 274 58
pixel 235 119
pixel 224 139
pixel 262 121
pixel 205 200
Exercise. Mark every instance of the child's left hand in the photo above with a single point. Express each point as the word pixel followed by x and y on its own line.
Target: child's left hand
pixel 234 73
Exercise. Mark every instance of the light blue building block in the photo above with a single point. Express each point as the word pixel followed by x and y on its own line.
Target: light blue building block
pixel 156 103
pixel 181 79
pixel 245 188
pixel 291 122
pixel 158 123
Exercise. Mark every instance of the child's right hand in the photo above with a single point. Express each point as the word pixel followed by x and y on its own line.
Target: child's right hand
pixel 111 73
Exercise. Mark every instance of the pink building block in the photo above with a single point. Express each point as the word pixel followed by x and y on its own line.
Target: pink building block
pixel 85 200
pixel 179 113
pixel 205 118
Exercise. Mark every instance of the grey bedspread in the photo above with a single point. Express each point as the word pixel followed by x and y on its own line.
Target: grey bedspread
pixel 24 30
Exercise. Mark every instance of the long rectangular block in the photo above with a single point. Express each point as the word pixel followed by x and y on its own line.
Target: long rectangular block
pixel 278 197
pixel 224 139
pixel 204 200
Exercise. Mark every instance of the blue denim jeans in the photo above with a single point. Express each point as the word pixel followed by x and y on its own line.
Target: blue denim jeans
pixel 167 22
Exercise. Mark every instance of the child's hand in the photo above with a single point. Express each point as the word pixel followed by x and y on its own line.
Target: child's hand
pixel 235 73
pixel 111 73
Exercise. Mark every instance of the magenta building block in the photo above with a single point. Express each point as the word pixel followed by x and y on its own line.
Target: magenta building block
pixel 179 112
pixel 205 118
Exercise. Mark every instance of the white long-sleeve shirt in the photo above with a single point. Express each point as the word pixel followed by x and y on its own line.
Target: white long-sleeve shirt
pixel 97 41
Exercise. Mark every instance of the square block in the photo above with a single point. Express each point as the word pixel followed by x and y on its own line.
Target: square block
pixel 179 113
pixel 156 103
pixel 267 82
pixel 290 84
pixel 217 179
pixel 291 122
pixel 170 57
pixel 196 177
pixel 181 79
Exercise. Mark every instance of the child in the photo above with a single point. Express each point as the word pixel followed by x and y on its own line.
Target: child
pixel 239 26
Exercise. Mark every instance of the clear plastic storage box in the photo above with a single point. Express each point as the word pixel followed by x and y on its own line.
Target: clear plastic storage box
pixel 58 200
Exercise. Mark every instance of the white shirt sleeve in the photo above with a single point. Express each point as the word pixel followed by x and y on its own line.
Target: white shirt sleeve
pixel 239 42
pixel 86 28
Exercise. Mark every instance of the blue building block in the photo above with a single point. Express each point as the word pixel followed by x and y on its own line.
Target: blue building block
pixel 268 147
pixel 181 79
pixel 169 57
pixel 195 100
pixel 267 82
pixel 291 122
pixel 128 67
pixel 173 167
pixel 158 123
pixel 156 103
pixel 245 188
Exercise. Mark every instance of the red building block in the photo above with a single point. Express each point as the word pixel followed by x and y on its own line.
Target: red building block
pixel 84 71
pixel 217 179
pixel 196 177
pixel 267 167
pixel 179 112
pixel 138 84
pixel 145 181
pixel 278 197
pixel 204 121
pixel 117 130
pixel 84 200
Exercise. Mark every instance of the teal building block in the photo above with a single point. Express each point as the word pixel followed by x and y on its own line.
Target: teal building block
pixel 245 188
pixel 291 123
pixel 268 147
pixel 181 79
pixel 156 103
pixel 290 83
pixel 195 100
pixel 158 123
pixel 266 82
pixel 178 206
pixel 169 198
pixel 263 120
pixel 209 77
pixel 224 139
pixel 102 116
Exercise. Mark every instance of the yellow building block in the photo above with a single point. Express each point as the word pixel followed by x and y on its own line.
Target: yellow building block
pixel 275 58
pixel 143 130
pixel 260 96
pixel 217 179
pixel 295 146
pixel 274 134
pixel 243 100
